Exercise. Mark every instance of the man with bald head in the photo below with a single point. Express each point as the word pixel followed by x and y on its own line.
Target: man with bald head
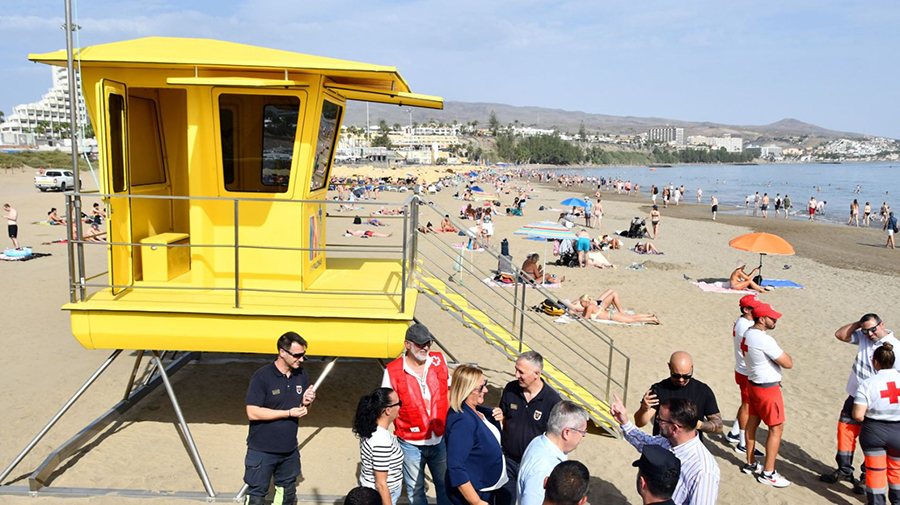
pixel 680 384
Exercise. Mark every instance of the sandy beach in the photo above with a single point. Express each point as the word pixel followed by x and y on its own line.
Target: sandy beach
pixel 845 273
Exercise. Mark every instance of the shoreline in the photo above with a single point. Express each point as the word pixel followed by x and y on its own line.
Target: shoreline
pixel 835 245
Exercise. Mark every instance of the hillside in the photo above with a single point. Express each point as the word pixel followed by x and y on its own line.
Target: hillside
pixel 569 121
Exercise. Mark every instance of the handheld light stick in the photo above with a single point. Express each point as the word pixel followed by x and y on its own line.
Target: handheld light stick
pixel 321 378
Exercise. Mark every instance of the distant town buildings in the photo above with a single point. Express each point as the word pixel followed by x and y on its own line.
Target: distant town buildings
pixel 48 118
pixel 731 144
pixel 666 134
pixel 770 152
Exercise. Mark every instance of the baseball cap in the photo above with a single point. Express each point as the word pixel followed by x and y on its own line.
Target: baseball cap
pixel 658 464
pixel 749 301
pixel 419 334
pixel 765 310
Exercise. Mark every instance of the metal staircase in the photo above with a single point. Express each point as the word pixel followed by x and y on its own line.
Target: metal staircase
pixel 584 366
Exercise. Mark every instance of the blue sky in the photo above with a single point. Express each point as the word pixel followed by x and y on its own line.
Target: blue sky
pixel 833 63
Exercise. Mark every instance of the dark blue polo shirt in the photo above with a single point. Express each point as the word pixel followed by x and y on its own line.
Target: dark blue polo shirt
pixel 272 389
pixel 524 421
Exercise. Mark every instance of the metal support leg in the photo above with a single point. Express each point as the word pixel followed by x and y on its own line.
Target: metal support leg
pixel 134 371
pixel 239 497
pixel 61 412
pixel 522 317
pixel 195 456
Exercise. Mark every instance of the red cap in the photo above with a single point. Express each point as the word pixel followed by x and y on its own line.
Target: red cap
pixel 749 301
pixel 765 310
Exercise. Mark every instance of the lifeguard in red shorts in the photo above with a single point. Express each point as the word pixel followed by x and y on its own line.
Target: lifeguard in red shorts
pixel 741 325
pixel 765 360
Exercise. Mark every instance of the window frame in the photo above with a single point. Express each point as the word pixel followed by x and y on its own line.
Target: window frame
pixel 301 94
pixel 342 105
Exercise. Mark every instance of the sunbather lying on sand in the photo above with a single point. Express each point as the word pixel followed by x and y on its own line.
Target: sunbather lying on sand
pixel 646 248
pixel 742 280
pixel 609 298
pixel 593 312
pixel 366 233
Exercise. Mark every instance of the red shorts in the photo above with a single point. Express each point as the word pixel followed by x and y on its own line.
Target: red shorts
pixel 812 210
pixel 741 380
pixel 767 404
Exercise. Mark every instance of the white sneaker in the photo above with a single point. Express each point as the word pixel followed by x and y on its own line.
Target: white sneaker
pixel 733 439
pixel 773 479
pixel 753 469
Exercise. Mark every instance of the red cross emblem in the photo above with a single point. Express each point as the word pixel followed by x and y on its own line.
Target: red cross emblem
pixel 435 360
pixel 892 392
pixel 744 347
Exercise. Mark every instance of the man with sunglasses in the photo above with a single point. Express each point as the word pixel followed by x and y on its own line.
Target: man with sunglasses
pixel 698 483
pixel 680 384
pixel 867 334
pixel 278 396
pixel 421 379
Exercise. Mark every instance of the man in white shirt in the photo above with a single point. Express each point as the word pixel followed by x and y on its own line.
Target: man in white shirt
pixel 867 334
pixel 678 419
pixel 764 360
pixel 566 427
pixel 741 325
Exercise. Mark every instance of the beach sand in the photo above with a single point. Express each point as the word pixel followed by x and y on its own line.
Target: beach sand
pixel 844 274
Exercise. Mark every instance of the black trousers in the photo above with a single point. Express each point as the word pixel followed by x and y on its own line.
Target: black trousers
pixel 507 494
pixel 260 467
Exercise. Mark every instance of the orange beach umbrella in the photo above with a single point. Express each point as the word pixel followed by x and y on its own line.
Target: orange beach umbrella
pixel 762 243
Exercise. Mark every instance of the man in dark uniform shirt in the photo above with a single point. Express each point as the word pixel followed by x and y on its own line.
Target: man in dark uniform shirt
pixel 523 412
pixel 681 384
pixel 278 396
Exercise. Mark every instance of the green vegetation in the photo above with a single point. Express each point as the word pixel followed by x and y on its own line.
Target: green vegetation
pixel 382 140
pixel 552 150
pixel 37 159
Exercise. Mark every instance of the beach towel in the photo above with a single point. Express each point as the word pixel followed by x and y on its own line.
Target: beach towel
pixel 4 257
pixel 494 284
pixel 565 319
pixel 598 257
pixel 719 287
pixel 780 283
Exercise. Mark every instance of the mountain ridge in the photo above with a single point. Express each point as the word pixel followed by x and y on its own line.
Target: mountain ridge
pixel 570 121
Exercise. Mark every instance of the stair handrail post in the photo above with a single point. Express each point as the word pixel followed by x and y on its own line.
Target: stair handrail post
pixel 414 227
pixel 403 263
pixel 522 317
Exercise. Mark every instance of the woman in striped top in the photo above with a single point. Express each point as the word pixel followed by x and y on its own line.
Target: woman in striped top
pixel 380 455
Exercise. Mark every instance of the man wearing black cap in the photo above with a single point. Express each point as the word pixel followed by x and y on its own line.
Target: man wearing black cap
pixel 657 477
pixel 421 380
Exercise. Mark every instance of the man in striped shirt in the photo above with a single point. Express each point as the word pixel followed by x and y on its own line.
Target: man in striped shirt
pixel 678 418
pixel 868 334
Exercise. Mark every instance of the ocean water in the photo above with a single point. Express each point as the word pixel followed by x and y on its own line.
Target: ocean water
pixel 833 183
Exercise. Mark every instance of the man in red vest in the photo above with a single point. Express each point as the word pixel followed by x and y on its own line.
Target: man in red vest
pixel 421 380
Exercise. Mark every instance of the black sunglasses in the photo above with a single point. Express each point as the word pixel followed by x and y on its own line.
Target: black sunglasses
pixel 398 404
pixel 871 330
pixel 295 354
pixel 683 376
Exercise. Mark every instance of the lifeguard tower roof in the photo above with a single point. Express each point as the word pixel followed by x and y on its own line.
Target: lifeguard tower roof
pixel 361 81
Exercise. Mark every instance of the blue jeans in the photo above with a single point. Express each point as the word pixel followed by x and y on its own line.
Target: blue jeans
pixel 415 457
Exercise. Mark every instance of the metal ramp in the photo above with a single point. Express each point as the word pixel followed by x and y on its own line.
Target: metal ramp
pixel 587 368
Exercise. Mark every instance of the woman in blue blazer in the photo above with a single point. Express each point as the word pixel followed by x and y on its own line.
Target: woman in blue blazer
pixel 475 464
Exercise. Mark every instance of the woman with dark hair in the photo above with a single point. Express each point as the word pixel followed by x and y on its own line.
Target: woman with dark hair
pixel 475 464
pixel 381 459
pixel 876 406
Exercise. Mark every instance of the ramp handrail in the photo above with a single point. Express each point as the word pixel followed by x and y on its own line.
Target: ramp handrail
pixel 521 314
pixel 468 320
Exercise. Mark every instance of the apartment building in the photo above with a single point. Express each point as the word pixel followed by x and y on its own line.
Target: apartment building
pixel 51 111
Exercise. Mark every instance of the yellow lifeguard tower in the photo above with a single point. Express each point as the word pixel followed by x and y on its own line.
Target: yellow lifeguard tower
pixel 215 159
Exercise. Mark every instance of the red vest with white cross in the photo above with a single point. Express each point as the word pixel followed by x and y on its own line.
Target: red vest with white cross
pixel 413 421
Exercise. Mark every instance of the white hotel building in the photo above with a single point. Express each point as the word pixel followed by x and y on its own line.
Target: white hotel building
pixel 21 126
